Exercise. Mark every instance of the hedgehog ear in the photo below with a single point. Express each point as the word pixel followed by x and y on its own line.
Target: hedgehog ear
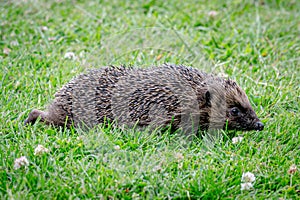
pixel 207 98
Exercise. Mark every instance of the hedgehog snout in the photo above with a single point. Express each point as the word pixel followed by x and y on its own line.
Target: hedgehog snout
pixel 259 126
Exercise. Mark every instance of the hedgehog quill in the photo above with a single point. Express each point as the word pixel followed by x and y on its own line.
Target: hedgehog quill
pixel 182 96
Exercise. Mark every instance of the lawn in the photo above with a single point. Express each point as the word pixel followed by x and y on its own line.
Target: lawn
pixel 43 44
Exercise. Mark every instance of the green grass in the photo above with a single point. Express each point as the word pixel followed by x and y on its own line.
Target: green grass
pixel 256 43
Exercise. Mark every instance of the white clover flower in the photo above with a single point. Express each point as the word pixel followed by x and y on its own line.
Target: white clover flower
pixel 248 177
pixel 117 147
pixel 292 169
pixel 40 149
pixel 51 38
pixel 179 156
pixel 19 162
pixel 70 55
pixel 14 43
pixel 212 13
pixel 157 168
pixel 6 50
pixel 246 186
pixel 236 140
pixel 82 54
pixel 44 28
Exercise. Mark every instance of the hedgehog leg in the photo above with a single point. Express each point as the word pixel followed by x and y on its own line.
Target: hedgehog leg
pixel 34 115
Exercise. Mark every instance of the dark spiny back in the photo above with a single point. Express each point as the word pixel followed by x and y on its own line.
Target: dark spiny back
pixel 154 96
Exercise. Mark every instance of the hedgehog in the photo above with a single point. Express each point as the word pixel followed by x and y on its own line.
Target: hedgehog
pixel 176 95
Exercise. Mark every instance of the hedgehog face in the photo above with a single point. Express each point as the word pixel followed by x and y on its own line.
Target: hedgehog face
pixel 240 118
pixel 239 112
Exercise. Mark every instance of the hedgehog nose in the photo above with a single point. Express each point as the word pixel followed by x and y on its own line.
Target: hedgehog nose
pixel 258 126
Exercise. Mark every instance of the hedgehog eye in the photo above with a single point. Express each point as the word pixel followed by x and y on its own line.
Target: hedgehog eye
pixel 235 111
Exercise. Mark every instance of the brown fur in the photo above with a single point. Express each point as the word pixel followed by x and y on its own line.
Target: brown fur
pixel 158 96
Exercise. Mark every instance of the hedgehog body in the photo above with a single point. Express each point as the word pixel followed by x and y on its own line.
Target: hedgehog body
pixel 158 96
